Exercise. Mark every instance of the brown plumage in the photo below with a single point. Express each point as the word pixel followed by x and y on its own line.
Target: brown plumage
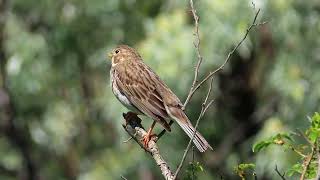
pixel 141 90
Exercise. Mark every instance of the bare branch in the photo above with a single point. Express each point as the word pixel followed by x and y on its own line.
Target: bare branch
pixel 197 46
pixel 278 172
pixel 196 87
pixel 209 92
pixel 190 142
pixel 204 108
pixel 137 132
pixel 197 67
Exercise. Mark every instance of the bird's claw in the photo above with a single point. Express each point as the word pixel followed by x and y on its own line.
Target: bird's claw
pixel 146 139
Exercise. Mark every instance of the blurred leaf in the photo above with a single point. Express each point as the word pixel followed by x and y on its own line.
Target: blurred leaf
pixel 277 139
pixel 193 170
pixel 242 169
pixel 261 145
pixel 297 168
pixel 314 130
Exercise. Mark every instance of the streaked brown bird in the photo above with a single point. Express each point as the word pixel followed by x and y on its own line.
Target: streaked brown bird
pixel 141 90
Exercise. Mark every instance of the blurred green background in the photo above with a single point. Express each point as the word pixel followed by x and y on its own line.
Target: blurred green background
pixel 60 120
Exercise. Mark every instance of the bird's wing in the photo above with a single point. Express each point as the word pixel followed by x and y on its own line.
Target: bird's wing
pixel 141 92
pixel 173 108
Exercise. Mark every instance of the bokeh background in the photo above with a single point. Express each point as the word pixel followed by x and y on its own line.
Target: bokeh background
pixel 59 119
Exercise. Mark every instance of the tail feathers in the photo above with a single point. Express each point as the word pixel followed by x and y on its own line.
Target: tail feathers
pixel 180 117
pixel 198 140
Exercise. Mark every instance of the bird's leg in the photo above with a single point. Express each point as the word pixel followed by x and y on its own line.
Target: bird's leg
pixel 164 131
pixel 148 136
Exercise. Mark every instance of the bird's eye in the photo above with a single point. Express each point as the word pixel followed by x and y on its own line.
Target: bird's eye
pixel 117 51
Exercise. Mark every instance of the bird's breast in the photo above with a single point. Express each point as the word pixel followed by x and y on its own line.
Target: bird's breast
pixel 121 96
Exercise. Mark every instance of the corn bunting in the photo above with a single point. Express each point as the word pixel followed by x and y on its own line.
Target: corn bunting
pixel 141 90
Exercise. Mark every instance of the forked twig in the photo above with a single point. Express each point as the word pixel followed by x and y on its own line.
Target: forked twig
pixel 278 172
pixel 195 86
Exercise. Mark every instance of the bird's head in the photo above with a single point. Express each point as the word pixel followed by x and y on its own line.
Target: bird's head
pixel 122 54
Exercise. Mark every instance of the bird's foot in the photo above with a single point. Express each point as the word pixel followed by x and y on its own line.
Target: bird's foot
pixel 146 139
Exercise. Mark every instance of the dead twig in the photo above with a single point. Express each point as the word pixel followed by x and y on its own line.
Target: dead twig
pixel 204 108
pixel 197 46
pixel 194 88
pixel 197 67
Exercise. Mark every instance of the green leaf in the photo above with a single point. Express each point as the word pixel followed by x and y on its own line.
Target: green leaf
pixel 297 168
pixel 283 136
pixel 278 139
pixel 242 169
pixel 313 132
pixel 315 120
pixel 246 166
pixel 192 170
pixel 312 170
pixel 260 145
pixel 313 135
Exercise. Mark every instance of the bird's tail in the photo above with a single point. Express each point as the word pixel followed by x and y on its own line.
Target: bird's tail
pixel 179 116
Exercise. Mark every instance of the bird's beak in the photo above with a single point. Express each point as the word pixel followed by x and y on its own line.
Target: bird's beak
pixel 110 55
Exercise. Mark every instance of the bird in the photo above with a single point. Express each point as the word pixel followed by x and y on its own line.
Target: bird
pixel 142 92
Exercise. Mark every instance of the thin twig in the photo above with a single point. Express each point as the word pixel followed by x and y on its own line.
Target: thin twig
pixel 192 162
pixel 209 91
pixel 122 177
pixel 305 137
pixel 203 110
pixel 188 147
pixel 194 89
pixel 296 151
pixel 127 140
pixel 197 46
pixel 278 172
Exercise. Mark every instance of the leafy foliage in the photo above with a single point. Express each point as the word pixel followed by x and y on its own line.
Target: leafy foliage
pixel 242 170
pixel 314 131
pixel 193 170
pixel 278 139
pixel 308 165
